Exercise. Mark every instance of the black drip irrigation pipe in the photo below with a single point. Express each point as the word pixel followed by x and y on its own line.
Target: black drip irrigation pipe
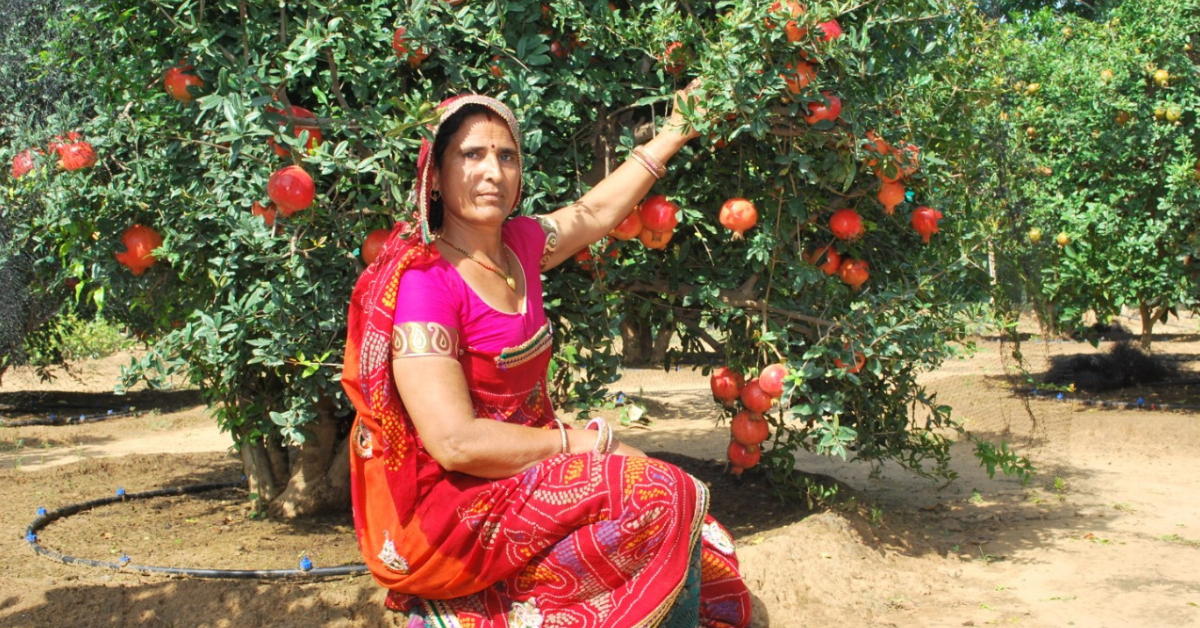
pixel 124 564
pixel 55 419
pixel 1140 404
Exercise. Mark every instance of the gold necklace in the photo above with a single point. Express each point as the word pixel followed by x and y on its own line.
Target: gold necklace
pixel 507 276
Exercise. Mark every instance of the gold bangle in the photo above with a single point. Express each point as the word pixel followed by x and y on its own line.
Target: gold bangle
pixel 645 164
pixel 654 161
pixel 651 162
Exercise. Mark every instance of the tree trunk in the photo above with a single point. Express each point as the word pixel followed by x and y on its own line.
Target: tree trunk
pixel 302 480
pixel 662 342
pixel 1148 319
pixel 636 343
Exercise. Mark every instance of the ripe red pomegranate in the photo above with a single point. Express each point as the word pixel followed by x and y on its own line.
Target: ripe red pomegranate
pixel 373 245
pixel 178 83
pixel 846 224
pixel 924 220
pixel 656 239
pixel 771 379
pixel 292 189
pixel 908 158
pixel 820 111
pixel 854 272
pixel 831 257
pixel 674 58
pixel 891 195
pixel 742 457
pixel 877 145
pixel 755 399
pixel 860 360
pixel 314 131
pixel 76 155
pixel 726 385
pixel 749 429
pixel 629 228
pixel 267 213
pixel 738 215
pixel 22 164
pixel 659 214
pixel 830 30
pixel 400 42
pixel 139 242
pixel 799 75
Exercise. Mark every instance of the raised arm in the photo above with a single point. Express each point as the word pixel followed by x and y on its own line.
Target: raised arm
pixel 607 204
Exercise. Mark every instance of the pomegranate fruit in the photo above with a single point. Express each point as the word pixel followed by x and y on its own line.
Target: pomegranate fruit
pixel 831 257
pixel 924 220
pixel 891 194
pixel 726 385
pixel 830 30
pixel 770 380
pixel 629 228
pixel 314 132
pixel 846 224
pixel 291 189
pixel 738 215
pixel 179 83
pixel 656 239
pixel 749 429
pixel 659 214
pixel 674 58
pixel 798 75
pixel 742 457
pixel 755 399
pixel 373 245
pixel 267 213
pixel 854 272
pixel 76 155
pixel 877 145
pixel 139 243
pixel 860 361
pixel 22 164
pixel 819 112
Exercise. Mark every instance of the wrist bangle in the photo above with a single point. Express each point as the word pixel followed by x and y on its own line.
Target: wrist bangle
pixel 649 162
pixel 604 436
pixel 654 161
pixel 645 164
pixel 562 430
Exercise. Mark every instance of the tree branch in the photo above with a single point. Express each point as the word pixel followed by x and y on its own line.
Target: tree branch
pixel 732 298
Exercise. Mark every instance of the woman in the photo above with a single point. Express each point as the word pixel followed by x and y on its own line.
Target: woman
pixel 473 505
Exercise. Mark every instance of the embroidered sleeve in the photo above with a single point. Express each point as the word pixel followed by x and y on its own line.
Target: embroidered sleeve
pixel 423 339
pixel 551 231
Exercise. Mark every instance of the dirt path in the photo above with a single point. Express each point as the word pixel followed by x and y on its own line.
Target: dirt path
pixel 1108 535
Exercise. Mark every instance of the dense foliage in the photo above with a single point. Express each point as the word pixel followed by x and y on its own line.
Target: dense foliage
pixel 1100 116
pixel 255 313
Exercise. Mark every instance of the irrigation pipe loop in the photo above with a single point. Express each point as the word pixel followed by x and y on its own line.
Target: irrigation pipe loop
pixel 125 565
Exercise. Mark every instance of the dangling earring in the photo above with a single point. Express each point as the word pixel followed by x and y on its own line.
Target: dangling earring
pixel 435 195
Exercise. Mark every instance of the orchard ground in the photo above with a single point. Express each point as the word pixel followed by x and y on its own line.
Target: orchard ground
pixel 1106 535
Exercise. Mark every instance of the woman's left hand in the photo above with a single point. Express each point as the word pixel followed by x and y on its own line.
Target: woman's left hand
pixel 677 122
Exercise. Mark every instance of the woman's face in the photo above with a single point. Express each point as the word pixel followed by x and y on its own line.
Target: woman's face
pixel 480 173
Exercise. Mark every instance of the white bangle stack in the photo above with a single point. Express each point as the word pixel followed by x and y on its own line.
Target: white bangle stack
pixel 604 440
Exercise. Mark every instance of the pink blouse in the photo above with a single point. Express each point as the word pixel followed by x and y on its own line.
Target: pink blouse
pixel 437 294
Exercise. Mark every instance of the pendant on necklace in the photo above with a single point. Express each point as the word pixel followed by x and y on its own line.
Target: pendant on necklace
pixel 512 283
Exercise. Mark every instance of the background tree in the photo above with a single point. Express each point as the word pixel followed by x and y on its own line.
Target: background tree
pixel 1101 119
pixel 253 310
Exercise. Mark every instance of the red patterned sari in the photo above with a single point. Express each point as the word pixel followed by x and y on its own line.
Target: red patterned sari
pixel 579 540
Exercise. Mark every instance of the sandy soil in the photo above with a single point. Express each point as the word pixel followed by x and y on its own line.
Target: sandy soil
pixel 1107 535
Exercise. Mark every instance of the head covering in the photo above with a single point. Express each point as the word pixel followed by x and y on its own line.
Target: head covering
pixel 450 106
